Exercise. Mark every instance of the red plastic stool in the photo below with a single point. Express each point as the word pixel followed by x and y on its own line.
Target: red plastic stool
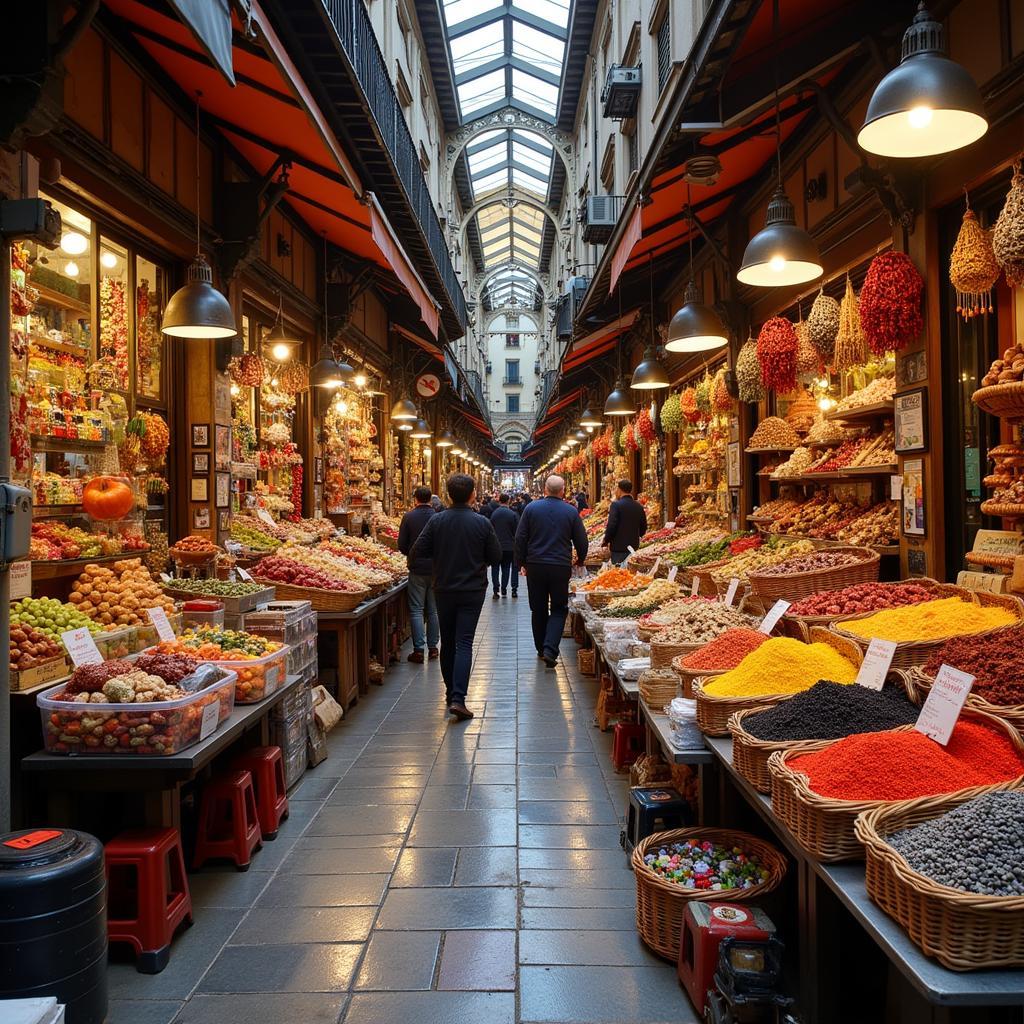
pixel 266 766
pixel 228 821
pixel 627 744
pixel 147 893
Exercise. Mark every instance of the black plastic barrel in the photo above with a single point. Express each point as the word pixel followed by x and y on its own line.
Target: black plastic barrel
pixel 53 921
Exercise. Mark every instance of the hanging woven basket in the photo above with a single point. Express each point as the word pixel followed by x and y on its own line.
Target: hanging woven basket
pixel 1008 233
pixel 851 345
pixel 973 270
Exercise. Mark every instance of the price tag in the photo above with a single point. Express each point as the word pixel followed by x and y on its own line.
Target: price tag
pixel 164 578
pixel 896 488
pixel 670 525
pixel 673 573
pixel 875 666
pixel 730 594
pixel 264 516
pixel 775 613
pixel 164 629
pixel 694 586
pixel 21 580
pixel 944 704
pixel 232 547
pixel 243 575
pixel 654 568
pixel 81 647
pixel 209 721
pixel 631 549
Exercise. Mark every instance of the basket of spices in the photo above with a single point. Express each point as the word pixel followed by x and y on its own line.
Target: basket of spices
pixel 673 868
pixel 633 605
pixel 697 622
pixel 775 670
pixel 818 793
pixel 944 868
pixel 826 569
pixel 721 654
pixel 827 711
pixel 603 588
pixel 919 630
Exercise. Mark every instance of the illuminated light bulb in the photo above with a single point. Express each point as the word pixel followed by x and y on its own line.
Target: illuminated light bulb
pixel 360 380
pixel 273 382
pixel 920 117
pixel 281 351
pixel 71 268
pixel 777 263
pixel 74 243
pixel 341 405
pixel 235 390
pixel 108 259
pixel 825 403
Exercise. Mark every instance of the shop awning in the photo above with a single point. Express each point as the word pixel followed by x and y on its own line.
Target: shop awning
pixel 270 113
pixel 598 342
pixel 422 343
pixel 551 416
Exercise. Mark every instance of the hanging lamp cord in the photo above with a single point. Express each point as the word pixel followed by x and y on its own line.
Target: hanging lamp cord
pixel 775 73
pixel 199 244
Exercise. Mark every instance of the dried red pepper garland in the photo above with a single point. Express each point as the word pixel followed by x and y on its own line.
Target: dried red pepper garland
pixel 890 303
pixel 776 354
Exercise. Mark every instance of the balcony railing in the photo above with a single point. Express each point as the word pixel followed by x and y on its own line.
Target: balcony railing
pixel 512 382
pixel 355 31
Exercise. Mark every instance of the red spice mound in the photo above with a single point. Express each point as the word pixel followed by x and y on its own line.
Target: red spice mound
pixel 725 651
pixel 862 597
pixel 994 661
pixel 905 765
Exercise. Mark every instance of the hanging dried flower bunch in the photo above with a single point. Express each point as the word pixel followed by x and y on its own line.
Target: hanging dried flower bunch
pixel 807 359
pixel 1008 233
pixel 604 444
pixel 721 400
pixel 823 326
pixel 851 345
pixel 671 414
pixel 776 355
pixel 973 270
pixel 293 378
pixel 890 303
pixel 688 405
pixel 644 429
pixel 748 373
pixel 627 439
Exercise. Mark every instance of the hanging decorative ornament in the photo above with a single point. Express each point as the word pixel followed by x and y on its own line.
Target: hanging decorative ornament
pixel 807 358
pixel 973 270
pixel 293 378
pixel 748 373
pixel 823 326
pixel 776 355
pixel 644 428
pixel 851 345
pixel 721 400
pixel 1008 233
pixel 890 303
pixel 627 439
pixel 688 405
pixel 671 414
pixel 248 371
pixel 703 395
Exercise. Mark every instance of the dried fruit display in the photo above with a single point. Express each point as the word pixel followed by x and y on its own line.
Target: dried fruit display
pixel 880 390
pixel 823 326
pixel 1007 370
pixel 1008 233
pixel 671 415
pixel 748 373
pixel 807 359
pixel 774 433
pixel 851 345
pixel 776 355
pixel 118 595
pixel 890 303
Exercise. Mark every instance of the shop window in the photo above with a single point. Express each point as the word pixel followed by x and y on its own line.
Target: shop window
pixel 663 42
pixel 150 293
pixel 111 367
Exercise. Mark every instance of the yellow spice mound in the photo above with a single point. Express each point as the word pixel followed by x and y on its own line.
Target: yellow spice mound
pixel 782 665
pixel 933 620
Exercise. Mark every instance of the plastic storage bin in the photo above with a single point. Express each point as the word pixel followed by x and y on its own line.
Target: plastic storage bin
pixel 287 621
pixel 203 612
pixel 257 677
pixel 118 643
pixel 160 727
pixel 301 655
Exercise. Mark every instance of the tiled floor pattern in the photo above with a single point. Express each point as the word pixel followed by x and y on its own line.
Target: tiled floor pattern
pixel 432 872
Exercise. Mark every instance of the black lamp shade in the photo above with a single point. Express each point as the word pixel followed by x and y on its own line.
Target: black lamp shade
pixel 781 253
pixel 280 335
pixel 589 419
pixel 325 372
pixel 927 104
pixel 198 310
pixel 404 410
pixel 446 440
pixel 420 429
pixel 695 327
pixel 618 403
pixel 650 374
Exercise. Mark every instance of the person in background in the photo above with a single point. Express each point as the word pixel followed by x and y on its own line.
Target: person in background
pixel 517 505
pixel 582 501
pixel 436 503
pixel 548 531
pixel 420 591
pixel 505 522
pixel 627 523
pixel 461 546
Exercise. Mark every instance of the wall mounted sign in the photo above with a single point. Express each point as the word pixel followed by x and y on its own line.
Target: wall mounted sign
pixel 913 498
pixel 911 411
pixel 428 385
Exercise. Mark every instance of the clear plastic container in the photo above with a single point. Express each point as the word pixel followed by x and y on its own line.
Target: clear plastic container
pixel 286 621
pixel 158 728
pixel 118 643
pixel 257 677
pixel 147 635
pixel 203 612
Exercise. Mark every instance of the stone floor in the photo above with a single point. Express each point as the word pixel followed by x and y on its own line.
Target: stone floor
pixel 432 872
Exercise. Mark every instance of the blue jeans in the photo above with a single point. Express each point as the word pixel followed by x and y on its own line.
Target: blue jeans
pixel 459 613
pixel 506 567
pixel 421 596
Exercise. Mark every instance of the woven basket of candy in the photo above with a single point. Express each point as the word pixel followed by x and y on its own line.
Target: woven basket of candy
pixel 660 901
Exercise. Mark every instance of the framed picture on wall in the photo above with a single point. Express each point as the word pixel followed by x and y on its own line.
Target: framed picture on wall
pixel 911 412
pixel 735 472
pixel 200 462
pixel 222 495
pixel 222 446
pixel 201 518
pixel 200 435
pixel 914 520
pixel 200 488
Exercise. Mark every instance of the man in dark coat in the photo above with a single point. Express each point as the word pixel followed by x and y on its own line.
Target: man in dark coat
pixel 627 523
pixel 420 589
pixel 505 522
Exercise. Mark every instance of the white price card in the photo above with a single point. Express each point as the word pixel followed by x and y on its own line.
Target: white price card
pixel 945 702
pixel 243 575
pixel 775 613
pixel 264 516
pixel 631 549
pixel 730 594
pixel 21 580
pixel 670 525
pixel 208 724
pixel 694 586
pixel 164 629
pixel 673 573
pixel 81 647
pixel 164 578
pixel 875 666
pixel 232 547
pixel 896 488
pixel 654 568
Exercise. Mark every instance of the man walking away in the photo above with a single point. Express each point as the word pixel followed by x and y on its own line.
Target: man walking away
pixel 627 523
pixel 582 502
pixel 548 531
pixel 422 607
pixel 461 545
pixel 505 521
pixel 435 503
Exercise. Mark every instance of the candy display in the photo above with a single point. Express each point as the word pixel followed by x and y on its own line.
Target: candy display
pixel 119 594
pixel 54 541
pixel 276 569
pixel 904 765
pixel 693 864
pixel 724 652
pixel 994 661
pixel 930 620
pixel 782 665
pixel 252 537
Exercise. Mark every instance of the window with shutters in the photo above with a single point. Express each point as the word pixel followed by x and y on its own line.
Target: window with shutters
pixel 663 37
pixel 511 403
pixel 633 149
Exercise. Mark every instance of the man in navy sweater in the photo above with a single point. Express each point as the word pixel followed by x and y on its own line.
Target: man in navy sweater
pixel 461 545
pixel 505 522
pixel 549 529
pixel 627 523
pixel 420 590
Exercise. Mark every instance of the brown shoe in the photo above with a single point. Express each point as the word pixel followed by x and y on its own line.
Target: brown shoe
pixel 416 657
pixel 461 712
pixel 433 654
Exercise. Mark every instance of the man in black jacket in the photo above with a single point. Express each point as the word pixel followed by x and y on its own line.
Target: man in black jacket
pixel 420 590
pixel 627 523
pixel 548 531
pixel 461 545
pixel 505 521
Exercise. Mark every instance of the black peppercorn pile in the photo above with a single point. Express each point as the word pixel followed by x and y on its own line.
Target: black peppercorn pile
pixel 975 847
pixel 830 711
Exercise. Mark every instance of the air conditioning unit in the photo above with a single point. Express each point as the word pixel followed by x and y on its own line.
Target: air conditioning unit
pixel 620 96
pixel 487 369
pixel 599 215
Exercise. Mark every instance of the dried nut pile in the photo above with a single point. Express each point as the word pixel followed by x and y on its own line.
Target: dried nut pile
pixel 881 389
pixel 825 431
pixel 635 605
pixel 811 563
pixel 796 465
pixel 975 847
pixel 878 525
pixel 669 613
pixel 702 621
pixel 1011 495
pixel 118 595
pixel 758 559
pixel 862 597
pixel 135 687
pixel 777 507
pixel 1007 370
pixel 774 432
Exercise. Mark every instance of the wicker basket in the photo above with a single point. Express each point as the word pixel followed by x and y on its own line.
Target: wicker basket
pixel 916 652
pixel 585 660
pixel 713 713
pixel 1003 509
pixel 750 754
pixel 602 598
pixel 1003 400
pixel 663 654
pixel 687 676
pixel 798 585
pixel 963 931
pixel 822 825
pixel 1013 713
pixel 660 903
pixel 321 600
pixel 655 692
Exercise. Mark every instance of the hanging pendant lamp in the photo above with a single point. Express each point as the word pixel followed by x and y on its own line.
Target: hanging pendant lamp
pixel 650 373
pixel 404 410
pixel 618 403
pixel 325 372
pixel 421 429
pixel 446 439
pixel 928 104
pixel 590 419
